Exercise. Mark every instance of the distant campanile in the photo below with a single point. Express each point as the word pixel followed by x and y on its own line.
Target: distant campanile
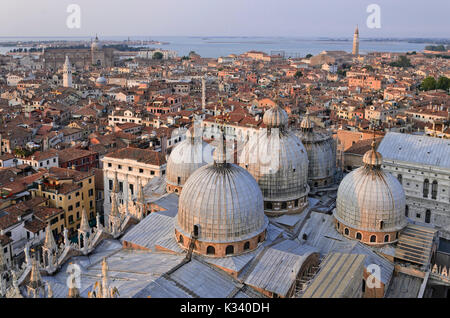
pixel 356 42
pixel 67 73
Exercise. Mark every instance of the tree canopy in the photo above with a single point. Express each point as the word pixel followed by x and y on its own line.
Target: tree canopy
pixel 157 56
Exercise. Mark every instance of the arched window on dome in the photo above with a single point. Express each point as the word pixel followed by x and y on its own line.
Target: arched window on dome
pixel 338 225
pixel 400 178
pixel 358 236
pixel 229 250
pixel 210 250
pixel 426 187
pixel 346 231
pixel 246 246
pixel 178 180
pixel 373 239
pixel 386 238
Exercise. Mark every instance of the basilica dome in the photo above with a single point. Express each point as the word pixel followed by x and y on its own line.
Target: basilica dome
pixel 221 206
pixel 370 203
pixel 319 145
pixel 96 45
pixel 101 81
pixel 278 161
pixel 189 155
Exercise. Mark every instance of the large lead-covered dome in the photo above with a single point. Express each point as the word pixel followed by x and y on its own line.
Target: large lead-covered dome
pixel 278 161
pixel 222 204
pixel 189 155
pixel 370 203
pixel 319 145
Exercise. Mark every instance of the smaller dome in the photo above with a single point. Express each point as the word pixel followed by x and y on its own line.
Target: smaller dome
pixel 96 45
pixel 275 117
pixel 101 81
pixel 372 157
pixel 307 123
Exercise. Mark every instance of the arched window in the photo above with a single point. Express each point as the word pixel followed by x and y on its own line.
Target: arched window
pixel 229 250
pixel 196 230
pixel 381 224
pixel 386 238
pixel 210 250
pixel 434 189
pixel 346 231
pixel 269 205
pixel 396 236
pixel 373 239
pixel 426 186
pixel 246 246
pixel 338 225
pixel 180 240
pixel 259 239
pixel 406 210
pixel 363 286
pixel 358 236
pixel 427 216
pixel 283 205
pixel 400 178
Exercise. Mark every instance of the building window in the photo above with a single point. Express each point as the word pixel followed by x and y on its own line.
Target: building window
pixel 110 184
pixel 70 219
pixel 400 178
pixel 358 236
pixel 246 246
pixel 386 238
pixel 418 215
pixel 109 165
pixel 426 186
pixel 141 170
pixel 373 239
pixel 120 166
pixel 427 216
pixel 346 231
pixel 210 250
pixel 130 169
pixel 70 208
pixel 229 250
pixel 434 189
pixel 77 205
pixel 91 192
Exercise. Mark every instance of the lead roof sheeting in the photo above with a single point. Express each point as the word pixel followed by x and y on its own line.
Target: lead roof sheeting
pixel 235 263
pixel 276 271
pixel 150 230
pixel 203 280
pixel 322 235
pixel 418 149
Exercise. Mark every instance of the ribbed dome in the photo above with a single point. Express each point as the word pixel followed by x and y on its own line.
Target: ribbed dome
pixel 189 155
pixel 307 123
pixel 275 117
pixel 278 160
pixel 321 155
pixel 225 201
pixel 372 157
pixel 368 197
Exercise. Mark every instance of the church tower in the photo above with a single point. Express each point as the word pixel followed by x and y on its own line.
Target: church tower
pixel 356 42
pixel 67 73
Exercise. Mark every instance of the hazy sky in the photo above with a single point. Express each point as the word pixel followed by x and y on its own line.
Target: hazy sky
pixel 399 18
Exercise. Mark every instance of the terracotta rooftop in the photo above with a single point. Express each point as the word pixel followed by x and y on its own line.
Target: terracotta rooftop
pixel 140 155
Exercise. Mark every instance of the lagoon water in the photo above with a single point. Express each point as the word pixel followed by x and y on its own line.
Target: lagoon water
pixel 222 46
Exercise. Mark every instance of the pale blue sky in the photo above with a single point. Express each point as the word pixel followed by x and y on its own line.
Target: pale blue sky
pixel 337 18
